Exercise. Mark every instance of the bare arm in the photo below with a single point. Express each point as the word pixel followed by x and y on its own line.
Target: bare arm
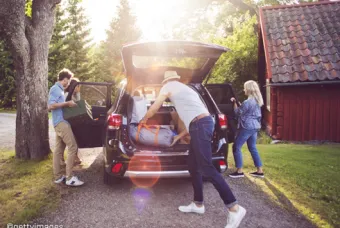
pixel 179 136
pixel 61 105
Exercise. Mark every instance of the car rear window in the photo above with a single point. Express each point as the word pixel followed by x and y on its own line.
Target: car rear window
pixel 162 61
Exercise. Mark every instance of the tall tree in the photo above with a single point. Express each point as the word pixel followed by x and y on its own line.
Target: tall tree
pixel 57 56
pixel 123 29
pixel 239 64
pixel 78 40
pixel 28 39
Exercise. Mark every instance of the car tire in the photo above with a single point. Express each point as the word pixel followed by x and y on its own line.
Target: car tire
pixel 108 179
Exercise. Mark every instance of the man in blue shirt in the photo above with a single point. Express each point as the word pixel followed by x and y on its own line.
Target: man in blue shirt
pixel 64 134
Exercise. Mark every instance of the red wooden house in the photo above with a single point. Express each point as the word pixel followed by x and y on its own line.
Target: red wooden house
pixel 299 70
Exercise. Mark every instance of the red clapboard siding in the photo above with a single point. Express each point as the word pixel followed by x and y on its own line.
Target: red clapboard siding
pixel 309 113
pixel 338 121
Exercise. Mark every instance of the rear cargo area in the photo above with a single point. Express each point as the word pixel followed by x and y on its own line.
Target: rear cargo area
pixel 159 131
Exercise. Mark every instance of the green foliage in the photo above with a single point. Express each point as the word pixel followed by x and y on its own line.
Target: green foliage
pixel 78 41
pixel 239 64
pixel 122 30
pixel 7 80
pixel 57 57
pixel 28 8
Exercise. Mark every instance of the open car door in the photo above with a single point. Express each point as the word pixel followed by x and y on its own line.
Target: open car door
pixel 89 133
pixel 221 93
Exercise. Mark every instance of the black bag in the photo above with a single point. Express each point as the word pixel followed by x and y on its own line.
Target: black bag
pixel 80 114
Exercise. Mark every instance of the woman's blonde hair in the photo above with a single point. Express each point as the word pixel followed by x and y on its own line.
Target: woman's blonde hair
pixel 252 90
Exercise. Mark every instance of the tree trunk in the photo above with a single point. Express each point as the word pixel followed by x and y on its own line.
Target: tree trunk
pixel 29 40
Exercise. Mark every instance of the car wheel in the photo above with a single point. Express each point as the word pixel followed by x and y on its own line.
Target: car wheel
pixel 108 179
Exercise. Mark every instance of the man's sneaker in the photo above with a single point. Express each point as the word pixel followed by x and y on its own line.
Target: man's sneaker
pixel 62 179
pixel 192 208
pixel 256 174
pixel 236 175
pixel 74 181
pixel 235 218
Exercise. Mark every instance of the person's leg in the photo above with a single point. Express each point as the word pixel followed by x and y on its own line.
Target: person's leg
pixel 58 153
pixel 201 134
pixel 251 143
pixel 72 148
pixel 196 177
pixel 240 139
pixel 197 184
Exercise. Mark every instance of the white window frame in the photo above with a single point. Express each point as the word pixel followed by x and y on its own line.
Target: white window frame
pixel 267 95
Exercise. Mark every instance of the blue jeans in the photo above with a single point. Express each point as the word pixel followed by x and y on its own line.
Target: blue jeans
pixel 249 136
pixel 200 162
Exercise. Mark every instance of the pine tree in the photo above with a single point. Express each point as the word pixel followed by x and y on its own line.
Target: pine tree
pixel 57 57
pixel 7 80
pixel 123 29
pixel 78 41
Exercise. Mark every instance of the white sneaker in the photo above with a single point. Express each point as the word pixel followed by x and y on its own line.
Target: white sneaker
pixel 192 208
pixel 235 218
pixel 61 179
pixel 74 181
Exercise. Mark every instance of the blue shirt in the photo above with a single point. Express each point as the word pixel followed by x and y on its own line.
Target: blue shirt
pixel 56 95
pixel 249 115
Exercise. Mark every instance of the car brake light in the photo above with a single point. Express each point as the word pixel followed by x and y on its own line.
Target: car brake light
pixel 116 168
pixel 114 121
pixel 223 165
pixel 223 121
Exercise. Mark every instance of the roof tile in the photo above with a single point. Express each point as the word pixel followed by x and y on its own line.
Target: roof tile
pixel 303 41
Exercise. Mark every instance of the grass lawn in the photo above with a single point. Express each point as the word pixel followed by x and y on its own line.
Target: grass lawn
pixel 302 178
pixel 26 189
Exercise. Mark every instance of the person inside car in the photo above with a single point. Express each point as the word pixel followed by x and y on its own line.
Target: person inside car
pixel 64 134
pixel 200 126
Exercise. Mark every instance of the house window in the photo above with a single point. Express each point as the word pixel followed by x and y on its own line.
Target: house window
pixel 267 94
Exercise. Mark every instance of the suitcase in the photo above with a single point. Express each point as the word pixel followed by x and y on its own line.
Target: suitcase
pixel 81 114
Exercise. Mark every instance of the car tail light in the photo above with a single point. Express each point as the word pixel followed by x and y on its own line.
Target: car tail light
pixel 223 165
pixel 116 167
pixel 223 121
pixel 114 121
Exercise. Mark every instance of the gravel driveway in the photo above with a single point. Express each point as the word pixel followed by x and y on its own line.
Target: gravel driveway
pixel 125 205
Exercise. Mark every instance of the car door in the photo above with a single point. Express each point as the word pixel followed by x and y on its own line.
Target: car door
pixel 221 93
pixel 90 133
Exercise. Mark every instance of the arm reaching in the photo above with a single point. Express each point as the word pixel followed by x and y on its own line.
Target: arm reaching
pixel 179 136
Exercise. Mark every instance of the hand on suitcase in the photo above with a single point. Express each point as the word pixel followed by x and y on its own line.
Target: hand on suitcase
pixel 176 138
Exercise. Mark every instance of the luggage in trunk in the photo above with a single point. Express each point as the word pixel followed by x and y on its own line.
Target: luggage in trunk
pixel 81 114
pixel 152 135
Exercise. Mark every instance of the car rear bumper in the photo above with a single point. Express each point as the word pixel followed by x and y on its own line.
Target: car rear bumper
pixel 161 174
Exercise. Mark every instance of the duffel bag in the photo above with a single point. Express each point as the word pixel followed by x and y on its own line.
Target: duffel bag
pixel 152 135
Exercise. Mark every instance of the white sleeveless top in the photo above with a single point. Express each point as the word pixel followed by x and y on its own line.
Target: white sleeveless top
pixel 186 101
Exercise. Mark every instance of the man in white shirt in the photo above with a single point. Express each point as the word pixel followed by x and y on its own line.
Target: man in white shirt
pixel 200 126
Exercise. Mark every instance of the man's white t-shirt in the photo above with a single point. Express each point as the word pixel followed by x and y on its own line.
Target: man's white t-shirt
pixel 186 101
